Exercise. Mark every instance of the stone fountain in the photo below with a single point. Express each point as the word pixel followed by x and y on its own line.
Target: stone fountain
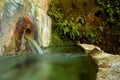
pixel 18 16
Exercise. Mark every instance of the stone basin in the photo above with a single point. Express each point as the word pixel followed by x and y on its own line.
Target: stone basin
pixel 108 64
pixel 58 63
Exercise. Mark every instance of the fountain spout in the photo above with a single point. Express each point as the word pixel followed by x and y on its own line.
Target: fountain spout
pixel 26 32
pixel 32 42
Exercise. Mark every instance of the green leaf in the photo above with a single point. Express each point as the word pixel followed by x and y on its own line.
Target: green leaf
pixel 66 30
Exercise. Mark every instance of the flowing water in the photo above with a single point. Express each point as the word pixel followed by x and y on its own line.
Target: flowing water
pixel 57 63
pixel 34 45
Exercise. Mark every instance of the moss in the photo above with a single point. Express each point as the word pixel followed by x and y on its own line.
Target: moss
pixel 57 41
pixel 11 48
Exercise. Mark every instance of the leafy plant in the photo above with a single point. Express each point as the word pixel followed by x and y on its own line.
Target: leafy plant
pixel 111 24
pixel 96 35
pixel 111 13
pixel 66 27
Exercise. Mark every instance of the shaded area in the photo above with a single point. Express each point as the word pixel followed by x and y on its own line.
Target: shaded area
pixel 87 21
pixel 75 20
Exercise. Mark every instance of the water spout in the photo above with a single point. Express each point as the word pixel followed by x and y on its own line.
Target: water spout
pixel 33 44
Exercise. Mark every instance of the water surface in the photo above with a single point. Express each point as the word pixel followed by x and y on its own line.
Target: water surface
pixel 66 63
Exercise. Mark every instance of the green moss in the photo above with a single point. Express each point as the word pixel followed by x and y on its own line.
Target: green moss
pixel 11 48
pixel 57 41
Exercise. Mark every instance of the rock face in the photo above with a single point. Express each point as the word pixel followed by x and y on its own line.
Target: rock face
pixel 108 64
pixel 14 12
pixel 111 70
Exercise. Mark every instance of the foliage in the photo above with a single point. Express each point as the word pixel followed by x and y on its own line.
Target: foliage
pixel 67 28
pixel 111 24
pixel 111 13
pixel 96 35
pixel 72 28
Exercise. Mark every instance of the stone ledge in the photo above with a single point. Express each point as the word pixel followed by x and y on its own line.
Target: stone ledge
pixel 108 64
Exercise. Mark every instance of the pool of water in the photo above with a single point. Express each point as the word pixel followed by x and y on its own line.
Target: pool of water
pixel 57 63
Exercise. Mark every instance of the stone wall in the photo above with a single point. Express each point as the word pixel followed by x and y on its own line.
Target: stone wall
pixel 11 11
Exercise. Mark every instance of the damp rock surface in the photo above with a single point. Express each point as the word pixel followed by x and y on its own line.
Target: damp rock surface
pixel 111 71
pixel 108 64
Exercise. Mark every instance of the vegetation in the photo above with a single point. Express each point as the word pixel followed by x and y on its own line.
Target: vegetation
pixel 67 28
pixel 111 14
pixel 111 23
pixel 73 28
pixel 96 36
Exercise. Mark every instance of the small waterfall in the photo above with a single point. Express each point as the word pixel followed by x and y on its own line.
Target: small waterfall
pixel 31 41
pixel 34 45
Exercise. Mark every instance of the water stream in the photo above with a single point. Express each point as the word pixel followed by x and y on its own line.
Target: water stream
pixel 33 44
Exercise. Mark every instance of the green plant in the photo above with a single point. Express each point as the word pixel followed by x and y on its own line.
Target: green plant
pixel 67 27
pixel 111 13
pixel 96 35
pixel 111 23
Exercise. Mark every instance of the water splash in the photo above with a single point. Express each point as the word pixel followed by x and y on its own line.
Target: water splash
pixel 34 45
